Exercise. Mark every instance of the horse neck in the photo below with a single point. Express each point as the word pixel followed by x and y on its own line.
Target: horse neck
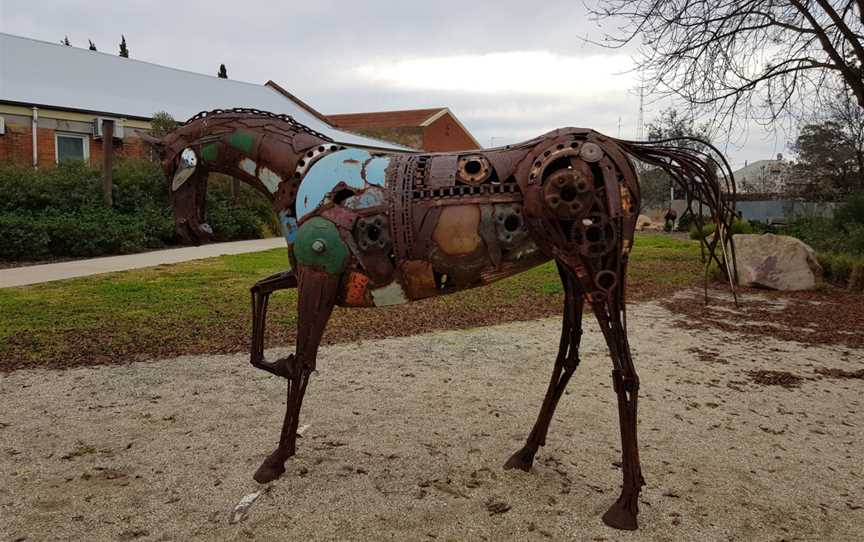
pixel 265 161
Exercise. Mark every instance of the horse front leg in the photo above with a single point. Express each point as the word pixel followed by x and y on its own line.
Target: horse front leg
pixel 260 297
pixel 317 296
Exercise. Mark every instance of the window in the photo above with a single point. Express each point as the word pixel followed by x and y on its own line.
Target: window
pixel 72 146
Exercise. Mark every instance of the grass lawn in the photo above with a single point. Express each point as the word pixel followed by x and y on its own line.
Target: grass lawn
pixel 203 306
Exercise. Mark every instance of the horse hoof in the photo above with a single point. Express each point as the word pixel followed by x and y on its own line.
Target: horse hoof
pixel 621 516
pixel 271 469
pixel 522 460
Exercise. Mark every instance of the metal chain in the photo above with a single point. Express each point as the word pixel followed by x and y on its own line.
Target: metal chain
pixel 281 116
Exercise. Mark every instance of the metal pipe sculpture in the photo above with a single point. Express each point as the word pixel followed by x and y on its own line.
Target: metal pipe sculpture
pixel 366 228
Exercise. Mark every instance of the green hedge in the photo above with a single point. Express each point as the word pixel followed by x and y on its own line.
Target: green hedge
pixel 843 269
pixel 738 227
pixel 839 242
pixel 58 212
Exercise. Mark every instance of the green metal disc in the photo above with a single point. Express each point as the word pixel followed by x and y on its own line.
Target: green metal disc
pixel 318 245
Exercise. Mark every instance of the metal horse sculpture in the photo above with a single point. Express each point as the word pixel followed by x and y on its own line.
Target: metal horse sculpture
pixel 366 228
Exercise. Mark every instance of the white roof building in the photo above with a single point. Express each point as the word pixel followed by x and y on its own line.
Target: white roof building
pixel 762 176
pixel 88 84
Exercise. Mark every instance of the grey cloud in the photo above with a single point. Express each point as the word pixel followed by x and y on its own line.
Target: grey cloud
pixel 311 48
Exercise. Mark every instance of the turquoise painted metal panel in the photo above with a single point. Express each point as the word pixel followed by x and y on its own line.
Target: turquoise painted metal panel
pixel 374 170
pixel 371 197
pixel 342 166
pixel 289 226
pixel 354 167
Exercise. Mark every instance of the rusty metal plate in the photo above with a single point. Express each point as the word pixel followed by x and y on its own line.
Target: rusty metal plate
pixel 442 171
pixel 458 230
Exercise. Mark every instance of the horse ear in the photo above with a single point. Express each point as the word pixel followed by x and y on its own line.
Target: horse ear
pixel 157 144
pixel 154 141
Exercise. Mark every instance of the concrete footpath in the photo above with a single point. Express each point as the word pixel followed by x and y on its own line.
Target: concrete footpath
pixel 34 274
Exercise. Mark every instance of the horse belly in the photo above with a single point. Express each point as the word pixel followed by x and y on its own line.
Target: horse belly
pixel 465 250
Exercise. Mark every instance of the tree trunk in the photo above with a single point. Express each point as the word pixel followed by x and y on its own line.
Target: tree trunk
pixel 859 157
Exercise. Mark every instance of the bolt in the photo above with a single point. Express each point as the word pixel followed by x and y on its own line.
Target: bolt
pixel 318 246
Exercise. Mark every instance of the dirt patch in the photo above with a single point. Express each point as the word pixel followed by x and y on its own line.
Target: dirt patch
pixel 407 437
pixel 827 316
pixel 708 356
pixel 840 373
pixel 784 379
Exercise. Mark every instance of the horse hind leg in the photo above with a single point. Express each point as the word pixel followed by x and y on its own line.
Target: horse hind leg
pixel 317 297
pixel 565 364
pixel 625 381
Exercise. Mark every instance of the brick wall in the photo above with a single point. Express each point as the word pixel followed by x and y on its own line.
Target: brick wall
pixel 130 147
pixel 445 134
pixel 45 146
pixel 410 136
pixel 17 145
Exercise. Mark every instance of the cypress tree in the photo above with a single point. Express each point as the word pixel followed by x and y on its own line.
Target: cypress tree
pixel 124 51
pixel 223 72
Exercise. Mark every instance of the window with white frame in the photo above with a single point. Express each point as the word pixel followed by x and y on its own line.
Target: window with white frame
pixel 71 146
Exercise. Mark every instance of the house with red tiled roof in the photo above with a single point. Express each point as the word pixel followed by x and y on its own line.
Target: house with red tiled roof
pixel 433 130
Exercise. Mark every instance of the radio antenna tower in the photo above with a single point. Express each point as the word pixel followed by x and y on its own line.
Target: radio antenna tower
pixel 640 126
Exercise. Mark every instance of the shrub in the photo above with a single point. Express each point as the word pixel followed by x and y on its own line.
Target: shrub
pixel 88 232
pixel 23 238
pixel 856 278
pixel 825 234
pixel 741 226
pixel 701 233
pixel 825 260
pixel 841 269
pixel 70 185
pixel 137 184
pixel 59 211
pixel 229 222
pixel 851 211
pixel 685 222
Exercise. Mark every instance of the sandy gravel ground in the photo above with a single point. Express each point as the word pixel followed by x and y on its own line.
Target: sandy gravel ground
pixel 407 437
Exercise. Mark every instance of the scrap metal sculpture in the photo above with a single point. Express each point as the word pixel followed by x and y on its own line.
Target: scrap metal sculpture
pixel 366 228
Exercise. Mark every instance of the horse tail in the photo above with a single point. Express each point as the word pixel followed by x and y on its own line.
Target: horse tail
pixel 704 175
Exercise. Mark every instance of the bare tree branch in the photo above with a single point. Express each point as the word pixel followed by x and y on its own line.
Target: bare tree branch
pixel 751 59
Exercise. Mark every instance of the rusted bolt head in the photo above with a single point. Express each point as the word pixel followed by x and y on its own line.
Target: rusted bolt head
pixel 591 152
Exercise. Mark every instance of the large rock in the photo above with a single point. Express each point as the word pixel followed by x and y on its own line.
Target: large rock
pixel 778 262
pixel 643 223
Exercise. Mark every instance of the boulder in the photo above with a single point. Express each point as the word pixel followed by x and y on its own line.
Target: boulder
pixel 777 262
pixel 643 223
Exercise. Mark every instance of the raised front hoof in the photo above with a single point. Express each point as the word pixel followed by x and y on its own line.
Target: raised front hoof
pixel 522 460
pixel 621 516
pixel 280 367
pixel 272 468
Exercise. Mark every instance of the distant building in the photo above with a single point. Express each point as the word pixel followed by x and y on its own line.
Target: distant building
pixel 61 93
pixel 433 130
pixel 763 177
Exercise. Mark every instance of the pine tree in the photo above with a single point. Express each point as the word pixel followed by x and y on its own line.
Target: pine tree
pixel 223 72
pixel 124 51
pixel 92 45
pixel 65 41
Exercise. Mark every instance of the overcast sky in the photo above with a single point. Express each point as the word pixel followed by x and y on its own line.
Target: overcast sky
pixel 509 70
